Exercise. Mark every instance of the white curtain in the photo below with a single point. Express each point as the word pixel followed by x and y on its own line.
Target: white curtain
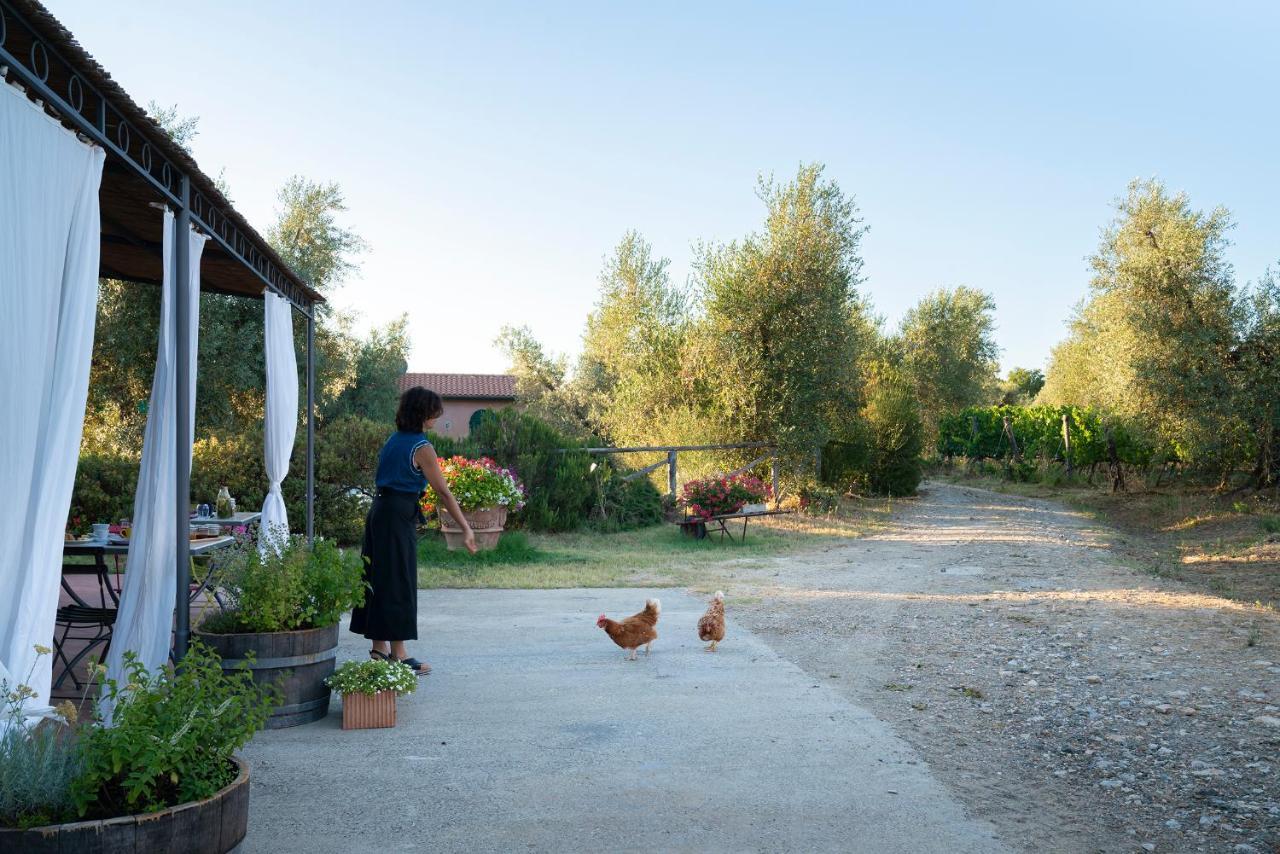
pixel 282 412
pixel 144 624
pixel 50 231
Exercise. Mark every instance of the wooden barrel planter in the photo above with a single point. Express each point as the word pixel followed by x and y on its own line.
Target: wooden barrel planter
pixel 486 523
pixel 215 825
pixel 298 662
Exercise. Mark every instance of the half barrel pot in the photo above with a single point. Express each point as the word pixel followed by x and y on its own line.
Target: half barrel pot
pixel 486 523
pixel 215 825
pixel 298 662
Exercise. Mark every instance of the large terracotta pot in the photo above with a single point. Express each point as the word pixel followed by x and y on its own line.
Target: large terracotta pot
pixel 486 523
pixel 215 825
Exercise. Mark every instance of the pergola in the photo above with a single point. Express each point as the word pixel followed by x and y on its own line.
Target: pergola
pixel 144 169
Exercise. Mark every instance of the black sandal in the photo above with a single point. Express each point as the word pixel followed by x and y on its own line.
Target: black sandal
pixel 419 667
pixel 377 655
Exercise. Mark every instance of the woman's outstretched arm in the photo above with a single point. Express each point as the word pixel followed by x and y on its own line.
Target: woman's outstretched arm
pixel 426 460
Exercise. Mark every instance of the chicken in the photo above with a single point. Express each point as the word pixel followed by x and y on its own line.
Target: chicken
pixel 635 631
pixel 711 626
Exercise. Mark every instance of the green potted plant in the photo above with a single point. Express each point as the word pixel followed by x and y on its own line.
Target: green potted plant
pixel 163 775
pixel 369 690
pixel 284 601
pixel 485 492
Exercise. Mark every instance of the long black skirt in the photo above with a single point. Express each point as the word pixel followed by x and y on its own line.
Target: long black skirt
pixel 390 611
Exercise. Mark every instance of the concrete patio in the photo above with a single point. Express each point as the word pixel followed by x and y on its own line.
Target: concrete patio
pixel 535 734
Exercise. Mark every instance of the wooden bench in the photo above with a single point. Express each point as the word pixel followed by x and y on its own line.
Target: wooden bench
pixel 699 528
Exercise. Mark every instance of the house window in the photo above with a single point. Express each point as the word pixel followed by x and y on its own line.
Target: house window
pixel 476 417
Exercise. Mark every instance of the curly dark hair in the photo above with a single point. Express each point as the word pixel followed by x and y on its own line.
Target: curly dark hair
pixel 416 406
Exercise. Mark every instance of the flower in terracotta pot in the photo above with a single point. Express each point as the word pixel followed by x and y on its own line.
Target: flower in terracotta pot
pixel 369 690
pixel 485 492
pixel 477 485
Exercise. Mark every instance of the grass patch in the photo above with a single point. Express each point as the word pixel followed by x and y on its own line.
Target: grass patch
pixel 658 556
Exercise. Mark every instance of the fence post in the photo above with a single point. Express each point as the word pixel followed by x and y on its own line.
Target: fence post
pixel 671 474
pixel 1013 441
pixel 1066 440
pixel 773 472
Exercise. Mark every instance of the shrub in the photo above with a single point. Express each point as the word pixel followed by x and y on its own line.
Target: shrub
pixel 559 482
pixel 622 505
pixel 879 452
pixel 370 677
pixel 38 764
pixel 103 491
pixel 287 586
pixel 895 438
pixel 171 736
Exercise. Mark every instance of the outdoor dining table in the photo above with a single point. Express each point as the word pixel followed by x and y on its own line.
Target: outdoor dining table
pixel 100 615
pixel 236 520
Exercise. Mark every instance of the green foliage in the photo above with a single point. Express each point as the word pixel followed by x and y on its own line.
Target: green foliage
pixel 978 433
pixel 623 505
pixel 559 484
pixel 1156 343
pixel 38 764
pixel 103 492
pixel 776 350
pixel 171 736
pixel 948 351
pixel 1021 386
pixel 895 435
pixel 370 677
pixel 636 338
pixel 287 586
pixel 542 384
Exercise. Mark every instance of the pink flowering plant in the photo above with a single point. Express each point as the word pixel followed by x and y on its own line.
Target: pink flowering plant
pixel 477 484
pixel 718 496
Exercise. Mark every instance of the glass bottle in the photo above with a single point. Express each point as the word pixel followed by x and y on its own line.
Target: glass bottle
pixel 225 509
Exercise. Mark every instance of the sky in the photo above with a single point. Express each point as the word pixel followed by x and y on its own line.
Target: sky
pixel 492 154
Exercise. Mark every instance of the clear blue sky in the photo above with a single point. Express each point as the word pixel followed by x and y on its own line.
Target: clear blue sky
pixel 493 153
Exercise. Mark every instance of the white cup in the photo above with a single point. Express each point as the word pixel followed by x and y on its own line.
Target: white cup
pixel 100 530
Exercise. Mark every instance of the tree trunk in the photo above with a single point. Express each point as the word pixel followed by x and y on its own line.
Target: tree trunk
pixel 1113 462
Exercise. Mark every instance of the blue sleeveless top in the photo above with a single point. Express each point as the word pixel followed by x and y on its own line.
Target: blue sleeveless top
pixel 396 469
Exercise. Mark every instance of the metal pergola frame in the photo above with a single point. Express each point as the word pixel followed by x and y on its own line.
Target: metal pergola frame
pixel 92 111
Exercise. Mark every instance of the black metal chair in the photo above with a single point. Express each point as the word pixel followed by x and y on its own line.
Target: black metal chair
pixel 81 621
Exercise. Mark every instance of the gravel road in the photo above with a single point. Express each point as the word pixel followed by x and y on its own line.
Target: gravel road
pixel 1074 702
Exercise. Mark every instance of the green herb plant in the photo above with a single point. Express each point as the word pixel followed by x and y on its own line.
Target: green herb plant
pixel 171 736
pixel 287 586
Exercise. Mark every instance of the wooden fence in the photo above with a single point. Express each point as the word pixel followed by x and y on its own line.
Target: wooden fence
pixel 673 452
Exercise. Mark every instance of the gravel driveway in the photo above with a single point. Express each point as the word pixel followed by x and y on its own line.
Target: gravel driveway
pixel 1075 703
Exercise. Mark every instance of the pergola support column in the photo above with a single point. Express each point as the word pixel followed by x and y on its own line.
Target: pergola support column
pixel 182 421
pixel 311 427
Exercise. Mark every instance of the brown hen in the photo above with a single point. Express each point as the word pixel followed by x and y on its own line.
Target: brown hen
pixel 635 631
pixel 711 626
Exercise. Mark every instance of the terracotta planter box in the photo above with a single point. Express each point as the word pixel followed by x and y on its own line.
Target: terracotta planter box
pixel 215 825
pixel 369 711
pixel 486 523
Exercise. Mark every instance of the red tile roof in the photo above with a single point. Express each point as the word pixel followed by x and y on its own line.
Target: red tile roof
pixel 473 386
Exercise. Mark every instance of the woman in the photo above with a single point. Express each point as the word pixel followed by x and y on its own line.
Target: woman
pixel 407 463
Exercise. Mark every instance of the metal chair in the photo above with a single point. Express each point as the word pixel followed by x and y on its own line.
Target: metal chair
pixel 85 622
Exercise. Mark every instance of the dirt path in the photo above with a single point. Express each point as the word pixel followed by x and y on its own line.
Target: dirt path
pixel 1077 704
